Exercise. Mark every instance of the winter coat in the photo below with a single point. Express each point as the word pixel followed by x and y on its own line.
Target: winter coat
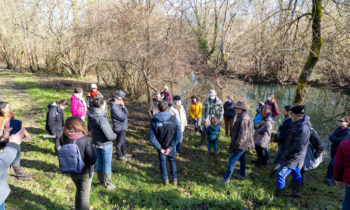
pixel 338 136
pixel 167 97
pixel 273 108
pixel 54 119
pixel 282 130
pixel 229 111
pixel 87 152
pixel 101 132
pixel 180 114
pixel 296 143
pixel 213 109
pixel 342 162
pixel 159 119
pixel 119 117
pixel 91 95
pixel 78 106
pixel 153 108
pixel 213 132
pixel 7 156
pixel 262 135
pixel 196 110
pixel 241 134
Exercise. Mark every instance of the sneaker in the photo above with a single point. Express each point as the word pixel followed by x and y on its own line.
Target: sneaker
pixel 127 155
pixel 197 133
pixel 238 176
pixel 122 158
pixel 176 182
pixel 166 182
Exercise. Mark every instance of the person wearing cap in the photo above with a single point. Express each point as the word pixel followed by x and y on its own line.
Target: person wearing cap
pixel 339 135
pixel 196 113
pixel 241 141
pixel 94 93
pixel 212 107
pixel 294 151
pixel 179 111
pixel 153 106
pixel 164 134
pixel 166 94
pixel 229 114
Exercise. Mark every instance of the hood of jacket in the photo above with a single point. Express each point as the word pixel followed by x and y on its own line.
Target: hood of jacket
pixel 51 105
pixel 96 112
pixel 304 121
pixel 162 116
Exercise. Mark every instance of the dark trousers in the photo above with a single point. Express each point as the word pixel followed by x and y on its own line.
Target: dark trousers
pixel 172 163
pixel 261 153
pixel 82 194
pixel 57 142
pixel 121 143
pixel 329 176
pixel 228 125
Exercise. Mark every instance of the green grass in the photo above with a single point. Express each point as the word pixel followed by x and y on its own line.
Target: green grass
pixel 138 181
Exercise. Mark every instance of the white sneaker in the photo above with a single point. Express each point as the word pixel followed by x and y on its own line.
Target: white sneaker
pixel 48 136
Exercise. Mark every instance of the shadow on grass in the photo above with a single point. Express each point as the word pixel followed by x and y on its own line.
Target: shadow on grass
pixel 40 165
pixel 32 147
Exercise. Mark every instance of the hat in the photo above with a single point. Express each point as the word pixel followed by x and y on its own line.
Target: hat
pixel 177 98
pixel 241 105
pixel 298 109
pixel 261 104
pixel 166 87
pixel 212 93
pixel 122 93
pixel 93 86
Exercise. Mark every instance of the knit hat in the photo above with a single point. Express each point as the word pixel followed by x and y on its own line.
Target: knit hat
pixel 212 93
pixel 93 86
pixel 298 109
pixel 176 98
pixel 241 105
pixel 166 87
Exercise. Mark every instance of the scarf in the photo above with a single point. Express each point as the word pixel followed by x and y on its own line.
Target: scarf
pixel 93 94
pixel 74 135
pixel 195 103
pixel 82 99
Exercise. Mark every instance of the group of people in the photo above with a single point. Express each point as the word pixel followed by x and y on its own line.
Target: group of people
pixel 78 155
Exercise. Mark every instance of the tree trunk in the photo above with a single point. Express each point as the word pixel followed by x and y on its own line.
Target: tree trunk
pixel 314 52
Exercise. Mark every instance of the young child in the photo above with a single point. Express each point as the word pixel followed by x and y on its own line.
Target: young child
pixel 213 135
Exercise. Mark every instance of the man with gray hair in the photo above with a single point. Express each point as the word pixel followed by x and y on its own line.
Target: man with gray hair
pixel 153 106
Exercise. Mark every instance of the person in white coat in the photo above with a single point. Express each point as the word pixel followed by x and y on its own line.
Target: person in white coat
pixel 179 111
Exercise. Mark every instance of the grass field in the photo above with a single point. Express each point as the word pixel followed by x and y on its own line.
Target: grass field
pixel 138 181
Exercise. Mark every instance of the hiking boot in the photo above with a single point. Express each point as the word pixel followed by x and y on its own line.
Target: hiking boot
pixel 20 173
pixel 166 182
pixel 100 177
pixel 295 190
pixel 122 158
pixel 108 182
pixel 238 176
pixel 278 193
pixel 176 182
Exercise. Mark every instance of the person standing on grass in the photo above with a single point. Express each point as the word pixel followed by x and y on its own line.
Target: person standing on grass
pixel 339 135
pixel 196 114
pixel 212 107
pixel 212 133
pixel 153 106
pixel 102 139
pixel 94 93
pixel 8 121
pixel 342 170
pixel 55 121
pixel 179 112
pixel 164 134
pixel 271 102
pixel 78 104
pixel 229 114
pixel 119 115
pixel 7 156
pixel 241 141
pixel 294 151
pixel 74 132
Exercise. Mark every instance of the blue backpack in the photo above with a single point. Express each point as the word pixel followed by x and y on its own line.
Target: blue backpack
pixel 70 159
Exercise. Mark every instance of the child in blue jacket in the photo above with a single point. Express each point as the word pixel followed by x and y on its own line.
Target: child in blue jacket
pixel 213 135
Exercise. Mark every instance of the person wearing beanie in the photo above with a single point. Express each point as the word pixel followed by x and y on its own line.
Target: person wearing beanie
pixel 166 94
pixel 294 151
pixel 153 107
pixel 241 141
pixel 179 111
pixel 94 93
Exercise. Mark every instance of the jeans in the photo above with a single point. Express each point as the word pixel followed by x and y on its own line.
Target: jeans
pixel 198 125
pixel 278 155
pixel 282 174
pixel 213 143
pixel 104 158
pixel 228 125
pixel 178 145
pixel 329 176
pixel 121 143
pixel 82 194
pixel 2 206
pixel 346 202
pixel 172 163
pixel 232 162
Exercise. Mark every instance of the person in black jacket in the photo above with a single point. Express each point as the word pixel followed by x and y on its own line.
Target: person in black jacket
pixel 340 134
pixel 102 139
pixel 119 115
pixel 293 151
pixel 74 130
pixel 55 121
pixel 229 114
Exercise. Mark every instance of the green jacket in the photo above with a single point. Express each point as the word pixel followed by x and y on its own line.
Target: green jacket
pixel 212 109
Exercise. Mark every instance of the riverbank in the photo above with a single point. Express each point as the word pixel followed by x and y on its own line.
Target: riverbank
pixel 138 181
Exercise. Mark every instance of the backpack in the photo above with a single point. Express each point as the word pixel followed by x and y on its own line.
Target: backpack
pixel 70 160
pixel 313 156
pixel 316 143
